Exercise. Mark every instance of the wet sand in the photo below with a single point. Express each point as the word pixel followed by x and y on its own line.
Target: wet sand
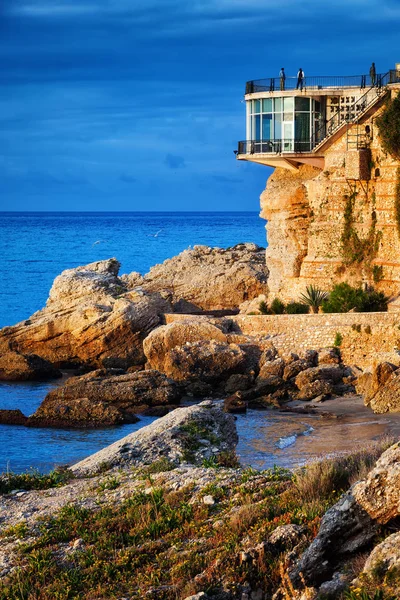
pixel 290 439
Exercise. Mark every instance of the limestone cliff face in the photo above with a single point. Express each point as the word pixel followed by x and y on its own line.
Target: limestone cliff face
pixel 336 224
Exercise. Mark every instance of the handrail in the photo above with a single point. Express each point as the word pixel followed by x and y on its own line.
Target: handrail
pixel 275 146
pixel 353 111
pixel 319 82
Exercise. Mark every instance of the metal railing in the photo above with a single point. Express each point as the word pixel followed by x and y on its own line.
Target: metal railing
pixel 350 113
pixel 275 84
pixel 277 146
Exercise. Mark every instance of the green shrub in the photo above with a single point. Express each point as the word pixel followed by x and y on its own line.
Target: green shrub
pixel 313 297
pixel 263 308
pixel 389 127
pixel 277 307
pixel 338 339
pixel 344 298
pixel 297 308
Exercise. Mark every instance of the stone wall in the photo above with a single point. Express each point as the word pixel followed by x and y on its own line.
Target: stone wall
pixel 364 334
pixel 305 211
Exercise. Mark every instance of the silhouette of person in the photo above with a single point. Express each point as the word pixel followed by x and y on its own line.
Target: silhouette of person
pixel 372 74
pixel 282 77
pixel 300 79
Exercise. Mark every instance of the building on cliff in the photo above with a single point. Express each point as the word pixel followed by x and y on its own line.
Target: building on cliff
pixel 330 202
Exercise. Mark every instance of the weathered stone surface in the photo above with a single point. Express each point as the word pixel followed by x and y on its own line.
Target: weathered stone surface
pixel 294 368
pixel 316 389
pixel 333 374
pixel 381 388
pixel 329 356
pixel 78 412
pixel 273 367
pixel 105 396
pixel 23 367
pixel 12 417
pixel 345 529
pixel 159 343
pixel 235 404
pixel 90 318
pixel 379 493
pixel 185 435
pixel 285 537
pixel 384 556
pixel 211 278
pixel 238 382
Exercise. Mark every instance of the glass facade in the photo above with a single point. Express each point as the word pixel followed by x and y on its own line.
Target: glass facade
pixel 282 124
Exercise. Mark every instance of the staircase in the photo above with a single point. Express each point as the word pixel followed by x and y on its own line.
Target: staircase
pixel 339 122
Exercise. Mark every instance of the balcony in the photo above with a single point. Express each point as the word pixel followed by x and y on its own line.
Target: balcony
pixel 315 83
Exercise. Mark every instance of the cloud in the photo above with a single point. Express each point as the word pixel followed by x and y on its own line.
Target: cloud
pixel 174 161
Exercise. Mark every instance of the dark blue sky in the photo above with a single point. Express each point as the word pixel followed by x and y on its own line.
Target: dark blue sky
pixel 127 105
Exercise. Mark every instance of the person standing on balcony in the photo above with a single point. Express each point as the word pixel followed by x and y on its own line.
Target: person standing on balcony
pixel 300 79
pixel 372 74
pixel 282 77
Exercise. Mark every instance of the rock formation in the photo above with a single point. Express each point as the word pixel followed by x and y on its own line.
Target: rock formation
pixel 310 212
pixel 207 278
pixel 185 435
pixel 23 367
pixel 380 387
pixel 90 318
pixel 106 397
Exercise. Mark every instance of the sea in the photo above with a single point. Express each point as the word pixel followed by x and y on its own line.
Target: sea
pixel 36 246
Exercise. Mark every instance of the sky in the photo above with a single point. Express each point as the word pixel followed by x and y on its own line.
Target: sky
pixel 125 105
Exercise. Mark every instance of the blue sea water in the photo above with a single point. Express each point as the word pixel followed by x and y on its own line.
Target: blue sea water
pixel 36 247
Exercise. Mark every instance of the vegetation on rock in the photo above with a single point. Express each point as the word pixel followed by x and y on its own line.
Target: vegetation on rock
pixel 344 298
pixel 389 127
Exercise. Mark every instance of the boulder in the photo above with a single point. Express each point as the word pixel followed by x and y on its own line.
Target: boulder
pixel 235 404
pixel 381 388
pixel 211 278
pixel 333 374
pixel 23 367
pixel 286 537
pixel 105 396
pixel 345 529
pixel 384 556
pixel 352 523
pixel 188 434
pixel 238 382
pixel 78 413
pixel 90 319
pixel 320 389
pixel 379 493
pixel 329 356
pixel 159 343
pixel 273 367
pixel 12 417
pixel 294 368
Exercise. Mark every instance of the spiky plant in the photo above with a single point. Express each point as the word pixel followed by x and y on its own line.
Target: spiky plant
pixel 313 297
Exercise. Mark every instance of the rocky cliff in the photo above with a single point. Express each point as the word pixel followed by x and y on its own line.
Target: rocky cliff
pixel 336 224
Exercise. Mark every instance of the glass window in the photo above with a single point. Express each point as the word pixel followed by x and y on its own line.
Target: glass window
pixel 257 128
pixel 288 104
pixel 267 127
pixel 317 106
pixel 302 104
pixel 302 127
pixel 278 104
pixel 267 105
pixel 256 106
pixel 278 127
pixel 288 116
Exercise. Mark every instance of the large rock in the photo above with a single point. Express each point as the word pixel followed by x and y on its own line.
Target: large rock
pixel 207 278
pixel 105 397
pixel 379 493
pixel 352 523
pixel 188 434
pixel 332 373
pixel 90 318
pixel 380 387
pixel 23 367
pixel 384 556
pixel 198 351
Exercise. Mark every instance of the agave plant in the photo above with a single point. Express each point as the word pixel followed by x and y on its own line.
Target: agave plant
pixel 313 297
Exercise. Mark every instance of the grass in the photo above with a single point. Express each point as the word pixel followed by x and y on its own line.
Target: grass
pixel 166 540
pixel 34 480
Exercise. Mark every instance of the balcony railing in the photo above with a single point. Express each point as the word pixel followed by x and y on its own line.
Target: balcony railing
pixel 273 84
pixel 277 146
